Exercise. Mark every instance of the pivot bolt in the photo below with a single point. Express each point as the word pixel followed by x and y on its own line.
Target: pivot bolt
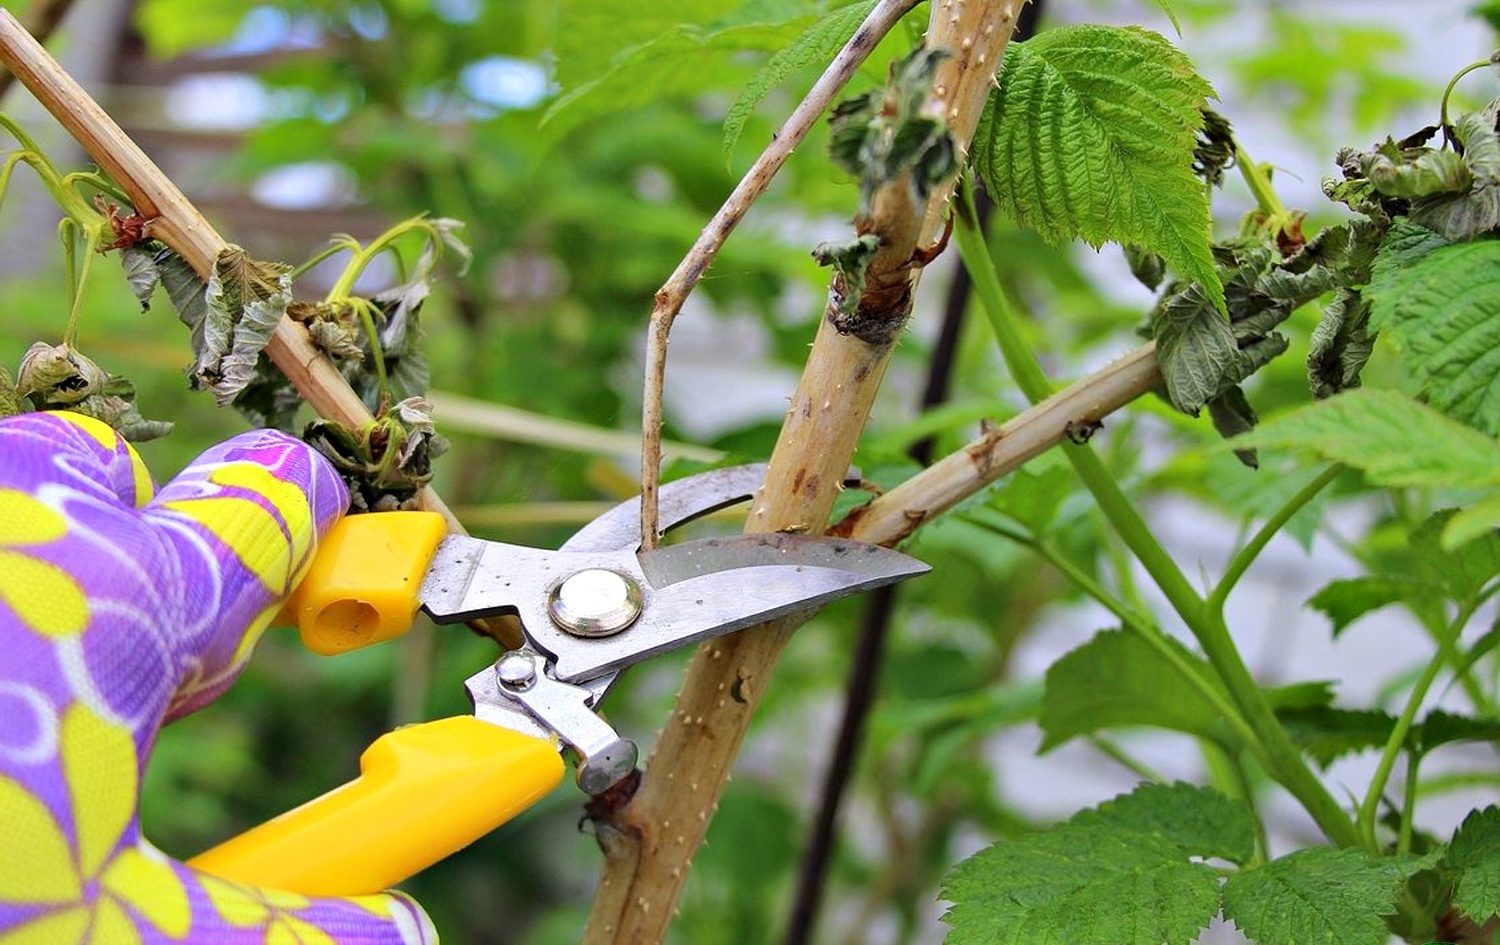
pixel 595 603
pixel 516 671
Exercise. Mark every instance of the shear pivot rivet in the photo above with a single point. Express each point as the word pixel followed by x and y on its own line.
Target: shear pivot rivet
pixel 516 671
pixel 595 603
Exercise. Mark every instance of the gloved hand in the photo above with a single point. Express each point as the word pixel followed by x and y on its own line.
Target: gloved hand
pixel 119 612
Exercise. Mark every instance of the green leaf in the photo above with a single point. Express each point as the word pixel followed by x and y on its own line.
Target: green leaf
pixel 1327 734
pixel 1308 694
pixel 815 46
pixel 1474 854
pixel 1091 134
pixel 1371 430
pixel 1032 498
pixel 1197 820
pixel 173 27
pixel 1462 572
pixel 1445 728
pixel 1481 648
pixel 1405 244
pixel 592 33
pixel 1116 679
pixel 245 299
pixel 1481 518
pixel 674 62
pixel 1346 600
pixel 1080 884
pixel 1444 312
pixel 1317 896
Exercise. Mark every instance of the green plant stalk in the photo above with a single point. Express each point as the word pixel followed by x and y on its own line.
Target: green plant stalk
pixel 1133 620
pixel 366 254
pixel 1283 761
pixel 1408 804
pixel 1448 90
pixel 1457 781
pixel 334 247
pixel 99 182
pixel 1260 184
pixel 1126 760
pixel 66 197
pixel 1248 552
pixel 362 308
pixel 1369 808
pixel 90 240
pixel 1230 776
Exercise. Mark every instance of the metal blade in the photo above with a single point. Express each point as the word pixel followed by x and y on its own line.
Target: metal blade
pixel 701 589
pixel 678 502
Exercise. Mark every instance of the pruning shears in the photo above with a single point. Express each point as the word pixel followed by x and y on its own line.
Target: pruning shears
pixel 587 610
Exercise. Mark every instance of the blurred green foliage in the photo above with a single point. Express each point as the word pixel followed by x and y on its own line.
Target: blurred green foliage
pixel 580 197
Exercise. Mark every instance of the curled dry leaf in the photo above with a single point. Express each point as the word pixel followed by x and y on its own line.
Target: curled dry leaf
pixel 245 299
pixel 1454 193
pixel 57 377
pixel 333 327
pixel 1214 152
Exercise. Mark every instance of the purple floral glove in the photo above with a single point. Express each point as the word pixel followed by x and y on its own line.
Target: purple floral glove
pixel 119 612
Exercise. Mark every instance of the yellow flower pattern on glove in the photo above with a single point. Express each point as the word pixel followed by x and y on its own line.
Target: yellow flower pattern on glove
pixel 42 594
pixel 118 612
pixel 99 759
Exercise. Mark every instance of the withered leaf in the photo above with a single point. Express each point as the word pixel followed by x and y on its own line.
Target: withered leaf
pixel 1232 415
pixel 1148 268
pixel 269 400
pixel 139 263
pixel 116 406
pixel 185 291
pixel 245 299
pixel 334 328
pixel 447 232
pixel 1341 344
pixel 9 402
pixel 57 376
pixel 1214 152
pixel 1473 210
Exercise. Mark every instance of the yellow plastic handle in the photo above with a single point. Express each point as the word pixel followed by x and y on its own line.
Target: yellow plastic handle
pixel 364 582
pixel 424 792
